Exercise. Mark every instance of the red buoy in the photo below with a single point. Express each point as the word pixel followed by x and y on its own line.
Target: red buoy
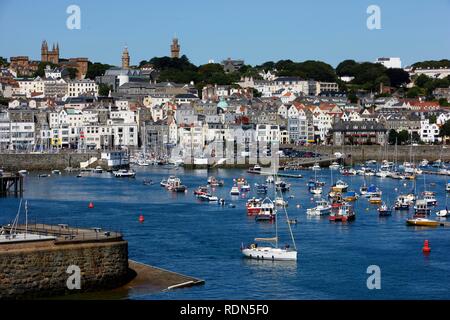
pixel 426 248
pixel 91 205
pixel 141 218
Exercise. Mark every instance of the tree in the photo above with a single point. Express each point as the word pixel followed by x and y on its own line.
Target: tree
pixel 414 92
pixel 421 80
pixel 397 77
pixel 96 69
pixel 256 93
pixel 443 102
pixel 72 73
pixel 392 136
pixel 415 137
pixel 4 101
pixel 3 62
pixel 434 64
pixel 432 119
pixel 103 89
pixel 346 68
pixel 402 137
pixel 352 97
pixel 445 129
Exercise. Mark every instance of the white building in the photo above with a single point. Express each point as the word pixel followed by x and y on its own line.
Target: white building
pixel 390 62
pixel 76 88
pixel 429 133
pixel 438 73
pixel 15 135
pixel 267 133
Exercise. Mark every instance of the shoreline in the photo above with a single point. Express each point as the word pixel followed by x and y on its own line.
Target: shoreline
pixel 62 161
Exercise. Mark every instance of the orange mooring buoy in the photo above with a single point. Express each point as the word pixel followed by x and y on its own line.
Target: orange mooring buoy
pixel 426 248
pixel 141 218
pixel 91 205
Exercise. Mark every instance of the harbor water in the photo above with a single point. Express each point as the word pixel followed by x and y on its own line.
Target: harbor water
pixel 200 239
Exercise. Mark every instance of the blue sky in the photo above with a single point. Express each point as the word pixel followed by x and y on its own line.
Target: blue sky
pixel 254 30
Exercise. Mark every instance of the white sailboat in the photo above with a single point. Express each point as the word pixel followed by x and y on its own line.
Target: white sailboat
pixel 272 251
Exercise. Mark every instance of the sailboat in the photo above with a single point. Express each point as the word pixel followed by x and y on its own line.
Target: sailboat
pixel 315 188
pixel 272 251
pixel 445 212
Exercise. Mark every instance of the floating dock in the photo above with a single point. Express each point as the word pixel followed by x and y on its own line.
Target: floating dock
pixel 284 175
pixel 437 173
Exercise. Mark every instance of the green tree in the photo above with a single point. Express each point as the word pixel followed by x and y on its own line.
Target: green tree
pixel 397 77
pixel 445 129
pixel 256 93
pixel 402 137
pixel 443 102
pixel 346 68
pixel 72 73
pixel 392 136
pixel 96 69
pixel 415 137
pixel 103 89
pixel 444 63
pixel 414 92
pixel 3 62
pixel 422 80
pixel 432 119
pixel 4 101
pixel 352 97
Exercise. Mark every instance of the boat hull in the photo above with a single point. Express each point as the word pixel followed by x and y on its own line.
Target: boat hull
pixel 422 222
pixel 271 254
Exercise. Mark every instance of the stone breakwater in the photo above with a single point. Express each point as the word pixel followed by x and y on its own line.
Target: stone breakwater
pixel 39 269
pixel 376 152
pixel 43 161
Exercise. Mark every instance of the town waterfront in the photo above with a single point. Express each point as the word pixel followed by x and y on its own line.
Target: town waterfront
pixel 202 239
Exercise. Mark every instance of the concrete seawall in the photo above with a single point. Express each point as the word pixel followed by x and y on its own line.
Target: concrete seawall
pixel 40 269
pixel 376 152
pixel 43 161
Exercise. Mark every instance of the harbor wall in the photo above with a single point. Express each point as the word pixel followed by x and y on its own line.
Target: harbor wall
pixel 40 269
pixel 376 152
pixel 43 161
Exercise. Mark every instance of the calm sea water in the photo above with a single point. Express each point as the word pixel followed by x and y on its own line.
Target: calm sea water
pixel 203 240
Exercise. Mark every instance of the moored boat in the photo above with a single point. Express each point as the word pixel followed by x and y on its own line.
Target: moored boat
pixel 322 208
pixel 443 213
pixel 245 187
pixel 208 197
pixel 375 199
pixel 201 190
pixel 344 213
pixel 422 222
pixel 253 206
pixel 339 186
pixel 235 191
pixel 350 196
pixel 421 209
pixel 261 188
pixel 384 210
pixel 268 211
pixel 123 173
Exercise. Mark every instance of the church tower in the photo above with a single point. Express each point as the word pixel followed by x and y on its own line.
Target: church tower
pixel 44 51
pixel 49 56
pixel 175 48
pixel 125 59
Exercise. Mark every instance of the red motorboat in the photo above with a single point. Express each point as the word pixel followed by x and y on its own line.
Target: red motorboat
pixel 253 206
pixel 344 214
pixel 201 191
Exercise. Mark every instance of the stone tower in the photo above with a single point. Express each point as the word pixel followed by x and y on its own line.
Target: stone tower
pixel 175 48
pixel 125 59
pixel 50 56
